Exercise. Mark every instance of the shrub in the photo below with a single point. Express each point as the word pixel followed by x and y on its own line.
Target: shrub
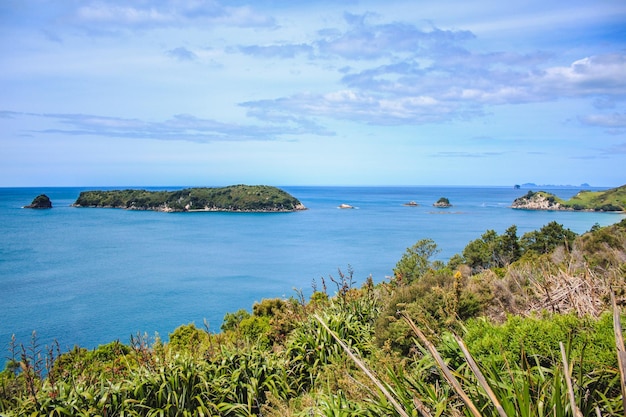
pixel 523 339
pixel 268 307
pixel 189 338
pixel 256 329
pixel 232 320
pixel 546 239
pixel 415 262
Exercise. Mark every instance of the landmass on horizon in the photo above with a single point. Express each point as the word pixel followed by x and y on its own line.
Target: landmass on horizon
pixel 532 184
pixel 233 198
pixel 613 199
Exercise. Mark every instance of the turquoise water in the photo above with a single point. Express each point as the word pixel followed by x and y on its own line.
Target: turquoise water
pixel 91 276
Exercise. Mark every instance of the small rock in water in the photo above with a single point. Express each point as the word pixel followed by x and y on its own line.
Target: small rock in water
pixel 40 202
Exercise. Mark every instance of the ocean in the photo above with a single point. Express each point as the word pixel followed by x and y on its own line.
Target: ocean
pixel 87 276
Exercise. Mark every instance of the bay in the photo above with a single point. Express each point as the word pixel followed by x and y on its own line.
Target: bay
pixel 90 276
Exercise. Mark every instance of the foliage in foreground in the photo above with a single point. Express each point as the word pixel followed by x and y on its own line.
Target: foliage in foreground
pixel 531 335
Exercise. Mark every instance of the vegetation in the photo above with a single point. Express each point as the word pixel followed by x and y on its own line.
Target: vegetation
pixel 42 201
pixel 443 202
pixel 512 326
pixel 609 200
pixel 232 198
pixel 493 251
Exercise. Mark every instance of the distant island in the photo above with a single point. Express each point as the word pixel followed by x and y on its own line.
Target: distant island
pixel 532 184
pixel 42 201
pixel 234 198
pixel 613 199
pixel 443 202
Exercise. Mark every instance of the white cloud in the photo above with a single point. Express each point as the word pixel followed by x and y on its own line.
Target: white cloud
pixel 408 92
pixel 121 15
pixel 181 127
pixel 614 120
pixel 134 15
pixel 594 75
pixel 182 54
pixel 278 51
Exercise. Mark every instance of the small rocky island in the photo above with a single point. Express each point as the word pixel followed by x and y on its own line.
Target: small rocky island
pixel 443 202
pixel 613 199
pixel 233 198
pixel 42 201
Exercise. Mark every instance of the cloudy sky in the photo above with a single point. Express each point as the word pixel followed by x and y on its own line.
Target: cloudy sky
pixel 283 92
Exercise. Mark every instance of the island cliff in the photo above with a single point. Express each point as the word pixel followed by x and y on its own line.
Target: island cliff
pixel 42 201
pixel 538 201
pixel 234 198
pixel 613 199
pixel 443 202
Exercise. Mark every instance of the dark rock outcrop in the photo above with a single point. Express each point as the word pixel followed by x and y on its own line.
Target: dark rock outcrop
pixel 443 202
pixel 40 202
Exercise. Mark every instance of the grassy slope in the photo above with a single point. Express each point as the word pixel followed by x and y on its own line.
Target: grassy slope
pixel 609 200
pixel 593 199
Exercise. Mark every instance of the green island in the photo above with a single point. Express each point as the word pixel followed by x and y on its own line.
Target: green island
pixel 234 198
pixel 613 199
pixel 527 325
pixel 443 202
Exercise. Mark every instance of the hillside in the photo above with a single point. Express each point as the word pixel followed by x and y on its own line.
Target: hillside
pixel 526 325
pixel 609 200
pixel 234 198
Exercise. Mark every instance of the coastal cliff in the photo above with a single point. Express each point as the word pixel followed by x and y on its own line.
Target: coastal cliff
pixel 538 201
pixel 613 199
pixel 234 198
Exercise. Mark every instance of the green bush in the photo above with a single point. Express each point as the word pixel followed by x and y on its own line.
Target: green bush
pixel 268 307
pixel 415 262
pixel 188 338
pixel 232 320
pixel 256 329
pixel 526 339
pixel 438 301
pixel 548 238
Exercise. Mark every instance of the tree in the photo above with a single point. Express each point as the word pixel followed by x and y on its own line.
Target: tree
pixel 188 337
pixel 480 254
pixel 232 320
pixel 268 307
pixel 508 248
pixel 548 238
pixel 416 261
pixel 493 250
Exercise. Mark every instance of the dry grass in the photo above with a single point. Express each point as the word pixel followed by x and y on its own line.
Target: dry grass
pixel 584 293
pixel 528 289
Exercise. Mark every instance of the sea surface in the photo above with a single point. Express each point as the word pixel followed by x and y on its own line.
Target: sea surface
pixel 89 276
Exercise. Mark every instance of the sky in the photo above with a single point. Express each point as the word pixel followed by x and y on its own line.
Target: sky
pixel 286 92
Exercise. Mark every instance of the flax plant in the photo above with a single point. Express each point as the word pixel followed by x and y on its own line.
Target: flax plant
pixel 525 389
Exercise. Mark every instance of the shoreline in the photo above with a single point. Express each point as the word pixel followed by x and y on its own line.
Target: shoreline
pixel 202 210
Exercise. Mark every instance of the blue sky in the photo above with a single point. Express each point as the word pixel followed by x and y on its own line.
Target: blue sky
pixel 401 92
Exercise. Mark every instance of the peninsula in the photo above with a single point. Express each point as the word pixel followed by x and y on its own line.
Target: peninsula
pixel 613 199
pixel 233 198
